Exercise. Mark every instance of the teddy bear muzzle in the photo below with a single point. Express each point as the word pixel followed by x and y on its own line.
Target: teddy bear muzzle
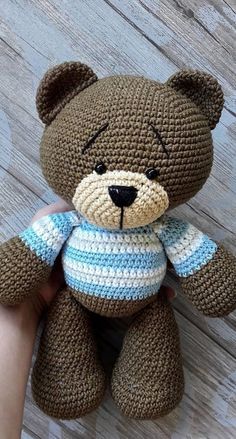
pixel 120 199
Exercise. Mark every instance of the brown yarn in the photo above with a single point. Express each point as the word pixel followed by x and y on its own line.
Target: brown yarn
pixel 109 307
pixel 59 85
pixel 131 106
pixel 212 290
pixel 21 272
pixel 68 380
pixel 147 379
pixel 203 90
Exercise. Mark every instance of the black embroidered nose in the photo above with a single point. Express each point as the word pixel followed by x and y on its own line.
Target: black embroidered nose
pixel 122 196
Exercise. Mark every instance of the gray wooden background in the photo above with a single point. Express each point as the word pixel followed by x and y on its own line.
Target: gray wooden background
pixel 153 38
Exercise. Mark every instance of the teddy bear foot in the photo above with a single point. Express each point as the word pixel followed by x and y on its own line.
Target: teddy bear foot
pixel 68 380
pixel 147 380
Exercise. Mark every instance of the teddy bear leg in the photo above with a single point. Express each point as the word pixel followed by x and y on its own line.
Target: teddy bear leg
pixel 67 381
pixel 147 380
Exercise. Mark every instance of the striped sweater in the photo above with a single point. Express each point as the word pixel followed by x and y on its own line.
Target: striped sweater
pixel 118 264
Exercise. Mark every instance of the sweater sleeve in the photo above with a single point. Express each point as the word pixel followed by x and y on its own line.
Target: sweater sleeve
pixel 186 247
pixel 46 236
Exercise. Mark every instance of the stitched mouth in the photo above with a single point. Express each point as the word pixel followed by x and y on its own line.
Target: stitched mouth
pixel 121 217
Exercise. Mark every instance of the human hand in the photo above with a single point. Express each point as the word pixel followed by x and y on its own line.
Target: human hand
pixel 48 291
pixel 18 325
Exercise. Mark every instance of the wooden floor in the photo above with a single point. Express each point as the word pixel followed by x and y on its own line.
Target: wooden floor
pixel 153 38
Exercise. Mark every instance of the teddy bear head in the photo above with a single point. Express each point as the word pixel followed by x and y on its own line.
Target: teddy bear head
pixel 124 149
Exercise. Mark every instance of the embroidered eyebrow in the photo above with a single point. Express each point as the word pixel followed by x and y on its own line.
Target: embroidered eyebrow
pixel 94 137
pixel 159 138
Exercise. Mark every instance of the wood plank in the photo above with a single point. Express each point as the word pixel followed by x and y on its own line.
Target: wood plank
pixel 221 330
pixel 17 205
pixel 175 29
pixel 27 434
pixel 216 18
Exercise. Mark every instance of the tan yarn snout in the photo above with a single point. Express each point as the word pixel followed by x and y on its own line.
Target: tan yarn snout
pixel 93 201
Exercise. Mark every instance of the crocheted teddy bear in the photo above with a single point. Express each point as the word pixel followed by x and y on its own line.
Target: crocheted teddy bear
pixel 124 150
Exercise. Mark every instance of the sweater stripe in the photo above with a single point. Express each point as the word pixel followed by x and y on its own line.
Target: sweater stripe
pixel 171 230
pixel 115 277
pixel 132 238
pixel 112 292
pixel 183 248
pixel 39 246
pixel 129 261
pixel 110 264
pixel 197 259
pixel 186 247
pixel 46 236
pixel 97 246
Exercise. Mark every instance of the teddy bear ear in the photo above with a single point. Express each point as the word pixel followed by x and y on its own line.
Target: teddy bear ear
pixel 59 85
pixel 203 89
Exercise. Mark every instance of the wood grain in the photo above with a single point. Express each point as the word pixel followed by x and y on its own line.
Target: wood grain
pixel 151 38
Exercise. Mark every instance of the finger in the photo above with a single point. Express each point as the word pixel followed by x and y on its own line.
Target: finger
pixel 50 290
pixel 168 292
pixel 59 206
pixel 54 283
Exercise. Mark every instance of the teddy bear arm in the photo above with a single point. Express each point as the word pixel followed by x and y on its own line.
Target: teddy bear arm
pixel 21 272
pixel 212 289
pixel 26 261
pixel 206 270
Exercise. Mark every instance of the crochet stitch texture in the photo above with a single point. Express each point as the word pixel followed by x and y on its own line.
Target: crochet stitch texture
pixel 118 265
pixel 124 150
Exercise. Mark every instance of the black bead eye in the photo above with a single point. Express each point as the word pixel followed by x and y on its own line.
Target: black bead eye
pixel 152 173
pixel 100 168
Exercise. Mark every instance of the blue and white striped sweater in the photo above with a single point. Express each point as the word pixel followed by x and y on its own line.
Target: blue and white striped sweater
pixel 118 264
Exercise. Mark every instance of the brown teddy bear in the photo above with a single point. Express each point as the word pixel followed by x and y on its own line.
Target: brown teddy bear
pixel 124 150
